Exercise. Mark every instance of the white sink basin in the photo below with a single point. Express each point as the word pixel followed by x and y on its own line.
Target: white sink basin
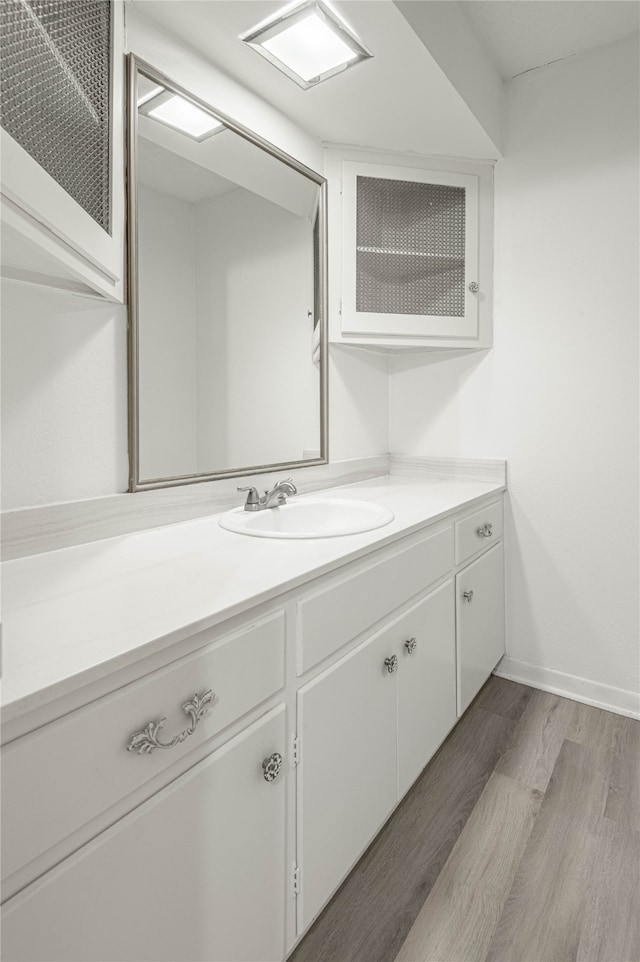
pixel 308 518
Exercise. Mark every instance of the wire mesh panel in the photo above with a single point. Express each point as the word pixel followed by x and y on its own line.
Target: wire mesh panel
pixel 410 239
pixel 55 73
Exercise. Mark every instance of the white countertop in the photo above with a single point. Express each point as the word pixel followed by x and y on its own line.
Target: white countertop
pixel 74 615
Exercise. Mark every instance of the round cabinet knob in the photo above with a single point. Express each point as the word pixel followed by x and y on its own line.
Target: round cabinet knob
pixel 485 531
pixel 468 596
pixel 474 287
pixel 271 767
pixel 391 664
pixel 410 644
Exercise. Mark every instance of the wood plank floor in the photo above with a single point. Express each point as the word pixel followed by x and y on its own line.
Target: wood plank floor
pixel 520 842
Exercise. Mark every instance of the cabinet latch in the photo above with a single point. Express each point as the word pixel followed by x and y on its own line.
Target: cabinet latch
pixel 295 754
pixel 295 877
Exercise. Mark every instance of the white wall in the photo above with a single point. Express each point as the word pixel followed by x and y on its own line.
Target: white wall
pixel 64 397
pixel 446 32
pixel 167 335
pixel 358 403
pixel 258 388
pixel 558 395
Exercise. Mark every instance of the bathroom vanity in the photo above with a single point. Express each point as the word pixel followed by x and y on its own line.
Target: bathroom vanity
pixel 305 685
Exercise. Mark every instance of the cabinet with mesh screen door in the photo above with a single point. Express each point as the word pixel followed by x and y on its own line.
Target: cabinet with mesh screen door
pixel 61 66
pixel 410 258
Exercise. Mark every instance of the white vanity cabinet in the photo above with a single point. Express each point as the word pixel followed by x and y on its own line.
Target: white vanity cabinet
pixel 323 705
pixel 195 873
pixel 62 140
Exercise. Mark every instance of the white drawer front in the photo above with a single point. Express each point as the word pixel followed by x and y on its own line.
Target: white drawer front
pixel 478 531
pixel 347 606
pixel 59 777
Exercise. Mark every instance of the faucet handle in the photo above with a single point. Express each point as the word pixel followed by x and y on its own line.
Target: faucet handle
pixel 290 485
pixel 253 497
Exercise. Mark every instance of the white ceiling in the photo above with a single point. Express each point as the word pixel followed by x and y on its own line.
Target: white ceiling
pixel 399 100
pixel 519 35
pixel 168 172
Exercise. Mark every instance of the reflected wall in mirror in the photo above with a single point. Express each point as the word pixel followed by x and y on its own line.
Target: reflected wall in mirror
pixel 227 295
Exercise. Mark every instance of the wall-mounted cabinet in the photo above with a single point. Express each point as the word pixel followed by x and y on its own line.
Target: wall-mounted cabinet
pixel 62 200
pixel 411 265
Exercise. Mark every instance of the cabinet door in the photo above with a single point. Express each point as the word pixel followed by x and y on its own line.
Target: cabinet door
pixel 62 145
pixel 196 873
pixel 347 773
pixel 480 623
pixel 425 638
pixel 410 252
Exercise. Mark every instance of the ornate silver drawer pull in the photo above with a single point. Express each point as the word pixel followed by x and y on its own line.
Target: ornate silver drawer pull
pixel 411 644
pixel 468 596
pixel 486 531
pixel 144 742
pixel 271 767
pixel 391 663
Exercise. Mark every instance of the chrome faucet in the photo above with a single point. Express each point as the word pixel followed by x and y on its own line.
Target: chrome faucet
pixel 270 499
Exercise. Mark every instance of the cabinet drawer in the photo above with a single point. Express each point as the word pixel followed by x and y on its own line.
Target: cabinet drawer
pixel 59 777
pixel 478 531
pixel 347 606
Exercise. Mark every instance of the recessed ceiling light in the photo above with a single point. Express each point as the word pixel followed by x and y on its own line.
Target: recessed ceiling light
pixel 177 112
pixel 308 41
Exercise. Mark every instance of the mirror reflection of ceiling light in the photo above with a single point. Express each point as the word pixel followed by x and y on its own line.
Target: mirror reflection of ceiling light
pixel 308 41
pixel 180 114
pixel 147 89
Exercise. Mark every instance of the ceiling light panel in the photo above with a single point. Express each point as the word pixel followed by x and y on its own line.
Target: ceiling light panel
pixel 308 41
pixel 180 114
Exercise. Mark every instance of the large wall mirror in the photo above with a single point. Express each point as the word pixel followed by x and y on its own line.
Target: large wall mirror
pixel 227 248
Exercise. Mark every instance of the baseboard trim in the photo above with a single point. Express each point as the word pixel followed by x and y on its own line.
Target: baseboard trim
pixel 618 700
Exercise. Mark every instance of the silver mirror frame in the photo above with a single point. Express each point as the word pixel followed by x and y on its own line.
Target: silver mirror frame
pixel 135 66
